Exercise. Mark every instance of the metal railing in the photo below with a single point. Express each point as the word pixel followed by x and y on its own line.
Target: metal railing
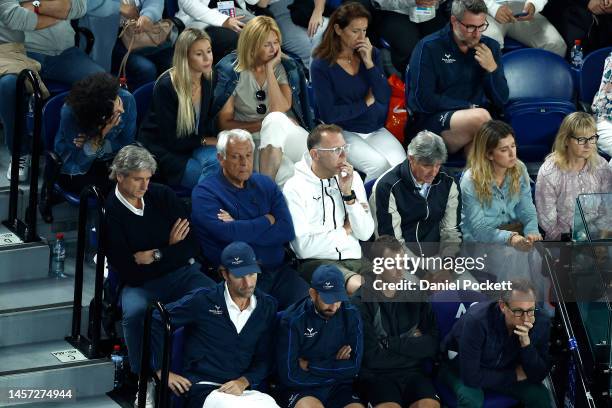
pixel 89 346
pixel 163 396
pixel 25 229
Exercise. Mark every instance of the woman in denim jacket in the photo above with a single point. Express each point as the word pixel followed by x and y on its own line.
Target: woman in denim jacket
pixel 97 120
pixel 260 91
pixel 497 207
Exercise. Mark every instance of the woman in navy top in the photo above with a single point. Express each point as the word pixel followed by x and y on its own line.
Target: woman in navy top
pixel 351 91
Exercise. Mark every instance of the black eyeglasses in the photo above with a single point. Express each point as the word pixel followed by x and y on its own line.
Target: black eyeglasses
pixel 260 96
pixel 584 140
pixel 521 312
pixel 471 29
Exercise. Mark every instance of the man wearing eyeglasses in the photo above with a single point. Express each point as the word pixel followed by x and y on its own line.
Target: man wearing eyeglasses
pixel 454 71
pixel 329 208
pixel 502 346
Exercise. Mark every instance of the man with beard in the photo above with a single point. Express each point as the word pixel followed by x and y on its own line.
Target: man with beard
pixel 228 330
pixel 451 72
pixel 320 346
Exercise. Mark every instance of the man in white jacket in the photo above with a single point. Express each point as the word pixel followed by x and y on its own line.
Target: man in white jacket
pixel 329 208
pixel 522 21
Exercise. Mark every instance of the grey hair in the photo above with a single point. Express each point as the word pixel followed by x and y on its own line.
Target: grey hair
pixel 519 285
pixel 459 7
pixel 224 137
pixel 427 147
pixel 132 158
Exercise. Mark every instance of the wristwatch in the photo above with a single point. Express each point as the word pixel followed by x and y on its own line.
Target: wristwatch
pixel 157 255
pixel 349 197
pixel 203 141
pixel 36 5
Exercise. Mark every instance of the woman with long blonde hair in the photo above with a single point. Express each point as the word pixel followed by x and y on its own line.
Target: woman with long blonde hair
pixel 574 167
pixel 255 92
pixel 497 206
pixel 179 128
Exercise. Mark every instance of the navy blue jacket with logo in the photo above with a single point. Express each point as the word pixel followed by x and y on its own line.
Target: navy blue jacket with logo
pixel 303 333
pixel 213 350
pixel 488 355
pixel 442 78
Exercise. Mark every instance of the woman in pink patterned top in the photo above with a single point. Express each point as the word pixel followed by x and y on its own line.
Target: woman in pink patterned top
pixel 574 167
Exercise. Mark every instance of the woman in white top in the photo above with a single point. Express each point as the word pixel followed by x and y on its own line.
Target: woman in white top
pixel 261 102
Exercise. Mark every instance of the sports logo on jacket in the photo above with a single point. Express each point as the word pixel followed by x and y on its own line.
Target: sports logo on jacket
pixel 310 333
pixel 316 198
pixel 447 59
pixel 216 310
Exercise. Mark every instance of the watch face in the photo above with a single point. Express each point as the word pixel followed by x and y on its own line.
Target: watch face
pixel 36 3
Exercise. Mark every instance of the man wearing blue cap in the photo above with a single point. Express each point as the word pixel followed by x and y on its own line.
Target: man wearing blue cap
pixel 320 345
pixel 228 334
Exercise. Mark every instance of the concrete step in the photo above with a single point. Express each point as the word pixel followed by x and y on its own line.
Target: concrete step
pixel 102 401
pixel 21 261
pixel 41 310
pixel 32 366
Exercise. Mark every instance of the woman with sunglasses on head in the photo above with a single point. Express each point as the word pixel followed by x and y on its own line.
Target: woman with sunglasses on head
pixel 97 120
pixel 179 128
pixel 255 90
pixel 351 91
pixel 574 167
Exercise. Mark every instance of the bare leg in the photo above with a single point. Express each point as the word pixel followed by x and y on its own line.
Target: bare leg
pixel 463 127
pixel 353 283
pixel 270 160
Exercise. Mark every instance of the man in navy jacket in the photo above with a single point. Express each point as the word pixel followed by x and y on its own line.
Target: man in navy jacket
pixel 502 346
pixel 228 330
pixel 320 345
pixel 451 71
pixel 238 204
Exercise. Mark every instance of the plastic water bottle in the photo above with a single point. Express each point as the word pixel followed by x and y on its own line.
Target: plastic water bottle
pixel 58 257
pixel 117 359
pixel 576 54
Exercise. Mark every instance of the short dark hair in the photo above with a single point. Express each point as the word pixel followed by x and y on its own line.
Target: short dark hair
pixel 459 7
pixel 382 244
pixel 92 100
pixel 519 285
pixel 314 137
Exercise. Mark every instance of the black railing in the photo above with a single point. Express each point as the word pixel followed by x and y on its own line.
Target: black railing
pixel 558 273
pixel 26 229
pixel 163 396
pixel 89 346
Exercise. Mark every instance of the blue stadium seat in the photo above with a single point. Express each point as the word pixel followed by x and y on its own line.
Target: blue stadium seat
pixel 142 96
pixel 589 77
pixel 53 163
pixel 449 306
pixel 541 94
pixel 369 185
pixel 511 44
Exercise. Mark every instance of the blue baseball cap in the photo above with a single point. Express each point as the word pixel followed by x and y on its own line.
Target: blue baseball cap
pixel 239 258
pixel 328 281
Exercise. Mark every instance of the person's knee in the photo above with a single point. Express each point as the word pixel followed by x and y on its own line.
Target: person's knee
pixel 425 403
pixel 469 397
pixel 536 396
pixel 134 308
pixel 375 166
pixel 479 116
pixel 309 402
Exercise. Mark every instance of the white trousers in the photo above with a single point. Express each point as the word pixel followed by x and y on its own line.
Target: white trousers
pixel 279 131
pixel 374 153
pixel 537 33
pixel 250 399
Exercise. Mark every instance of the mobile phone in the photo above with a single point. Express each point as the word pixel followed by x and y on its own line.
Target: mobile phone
pixel 521 14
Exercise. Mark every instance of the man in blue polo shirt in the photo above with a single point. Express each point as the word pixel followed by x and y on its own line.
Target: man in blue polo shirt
pixel 450 73
pixel 228 336
pixel 320 345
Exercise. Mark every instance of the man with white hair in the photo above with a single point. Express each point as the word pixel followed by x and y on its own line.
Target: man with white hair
pixel 239 205
pixel 148 243
pixel 418 201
